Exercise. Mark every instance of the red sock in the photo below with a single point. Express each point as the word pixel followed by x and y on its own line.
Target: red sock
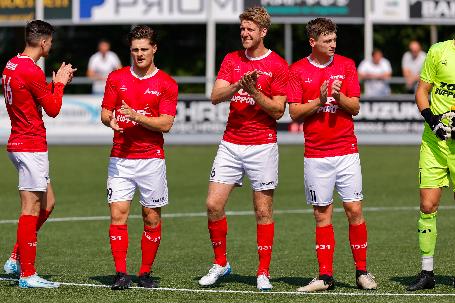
pixel 118 236
pixel 358 239
pixel 218 231
pixel 264 237
pixel 150 242
pixel 43 215
pixel 325 246
pixel 26 237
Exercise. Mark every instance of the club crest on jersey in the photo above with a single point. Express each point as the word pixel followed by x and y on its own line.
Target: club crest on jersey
pixel 308 80
pixel 237 69
pixel 123 88
pixel 152 92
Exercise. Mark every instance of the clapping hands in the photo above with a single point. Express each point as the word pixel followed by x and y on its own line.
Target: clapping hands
pixel 64 74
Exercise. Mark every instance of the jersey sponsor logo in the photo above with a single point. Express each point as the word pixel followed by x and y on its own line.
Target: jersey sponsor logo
pixel 11 66
pixel 152 92
pixel 243 97
pixel 329 107
pixel 337 77
pixel 122 118
pixel 268 74
pixel 446 89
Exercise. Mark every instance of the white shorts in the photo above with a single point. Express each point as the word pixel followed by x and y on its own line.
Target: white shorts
pixel 258 162
pixel 148 175
pixel 33 169
pixel 323 175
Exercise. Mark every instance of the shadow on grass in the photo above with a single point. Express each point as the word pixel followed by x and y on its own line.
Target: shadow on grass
pixel 440 279
pixel 109 279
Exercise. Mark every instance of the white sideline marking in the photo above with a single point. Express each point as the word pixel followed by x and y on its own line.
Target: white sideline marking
pixel 233 213
pixel 346 294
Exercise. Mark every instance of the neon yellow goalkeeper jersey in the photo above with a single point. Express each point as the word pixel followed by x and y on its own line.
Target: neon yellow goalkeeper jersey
pixel 439 70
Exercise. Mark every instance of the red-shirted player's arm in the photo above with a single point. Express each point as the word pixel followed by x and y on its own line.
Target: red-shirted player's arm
pixel 224 87
pixel 223 91
pixel 167 111
pixel 350 102
pixel 47 95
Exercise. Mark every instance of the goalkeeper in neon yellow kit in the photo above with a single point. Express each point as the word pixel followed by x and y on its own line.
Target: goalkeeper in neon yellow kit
pixel 437 152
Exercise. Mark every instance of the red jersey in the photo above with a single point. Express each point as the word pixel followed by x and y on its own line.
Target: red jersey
pixel 248 124
pixel 330 131
pixel 152 95
pixel 26 93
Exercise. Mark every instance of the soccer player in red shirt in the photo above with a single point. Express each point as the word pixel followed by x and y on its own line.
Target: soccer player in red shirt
pixel 324 93
pixel 254 81
pixel 26 94
pixel 139 104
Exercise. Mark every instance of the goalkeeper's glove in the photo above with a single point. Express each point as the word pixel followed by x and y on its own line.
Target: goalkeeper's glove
pixel 441 130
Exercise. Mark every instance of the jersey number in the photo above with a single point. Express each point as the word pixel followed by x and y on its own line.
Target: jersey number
pixel 7 90
pixel 312 195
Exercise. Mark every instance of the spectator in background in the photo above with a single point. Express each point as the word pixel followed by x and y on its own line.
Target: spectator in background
pixel 375 73
pixel 411 64
pixel 101 64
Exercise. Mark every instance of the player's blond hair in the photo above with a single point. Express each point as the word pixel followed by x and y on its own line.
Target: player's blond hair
pixel 258 15
pixel 320 26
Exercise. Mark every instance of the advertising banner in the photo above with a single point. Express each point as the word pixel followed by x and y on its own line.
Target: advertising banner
pixel 434 11
pixel 159 11
pixel 394 120
pixel 311 8
pixel 13 11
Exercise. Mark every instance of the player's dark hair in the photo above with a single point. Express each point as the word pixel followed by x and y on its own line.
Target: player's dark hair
pixel 142 32
pixel 320 26
pixel 36 30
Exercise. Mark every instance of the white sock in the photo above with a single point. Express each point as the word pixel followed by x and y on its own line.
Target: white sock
pixel 427 263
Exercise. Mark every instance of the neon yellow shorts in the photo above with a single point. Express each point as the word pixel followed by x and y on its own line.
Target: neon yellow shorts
pixel 436 164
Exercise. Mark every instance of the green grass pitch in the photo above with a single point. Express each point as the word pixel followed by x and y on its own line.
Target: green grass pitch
pixel 78 251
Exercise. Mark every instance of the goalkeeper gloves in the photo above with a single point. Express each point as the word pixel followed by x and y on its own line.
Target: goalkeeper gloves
pixel 441 130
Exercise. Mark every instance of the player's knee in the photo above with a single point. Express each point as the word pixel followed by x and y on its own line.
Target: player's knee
pixel 263 215
pixel 428 208
pixel 214 206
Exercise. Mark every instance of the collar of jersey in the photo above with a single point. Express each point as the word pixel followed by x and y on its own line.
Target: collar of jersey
pixel 145 77
pixel 258 58
pixel 25 57
pixel 317 64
